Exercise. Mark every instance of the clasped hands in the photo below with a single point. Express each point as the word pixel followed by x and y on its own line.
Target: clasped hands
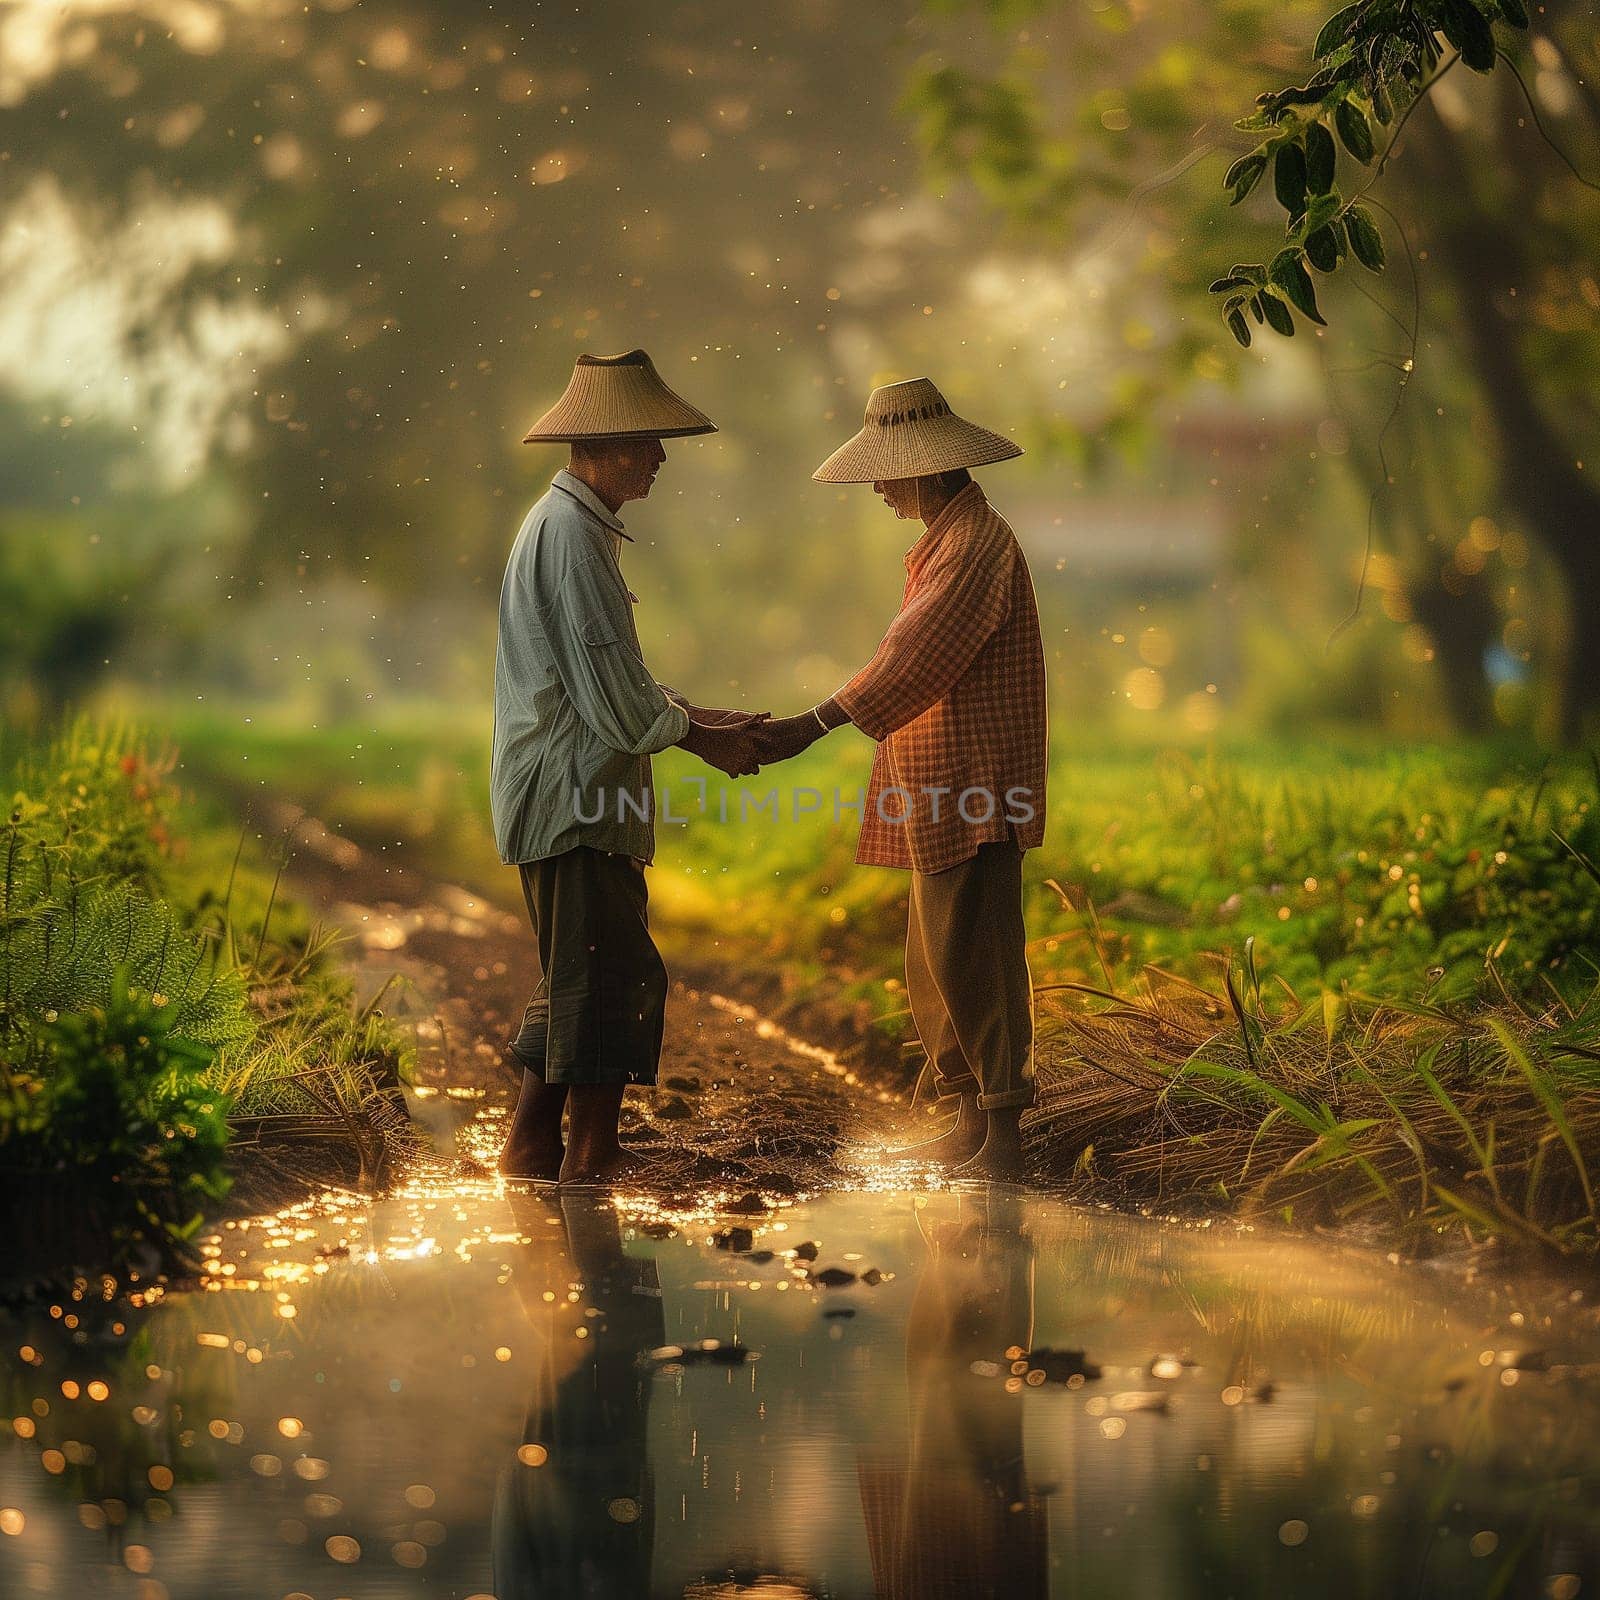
pixel 740 743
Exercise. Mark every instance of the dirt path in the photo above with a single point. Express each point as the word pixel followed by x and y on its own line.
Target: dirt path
pixel 741 1107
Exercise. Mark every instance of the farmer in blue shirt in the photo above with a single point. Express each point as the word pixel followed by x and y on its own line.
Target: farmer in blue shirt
pixel 577 716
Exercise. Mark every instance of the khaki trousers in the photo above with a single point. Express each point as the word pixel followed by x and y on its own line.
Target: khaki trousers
pixel 967 977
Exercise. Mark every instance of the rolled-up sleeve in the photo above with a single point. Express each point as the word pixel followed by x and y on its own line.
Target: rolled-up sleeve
pixel 941 627
pixel 591 637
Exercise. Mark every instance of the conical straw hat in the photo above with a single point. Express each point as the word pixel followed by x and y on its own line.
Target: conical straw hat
pixel 911 432
pixel 618 397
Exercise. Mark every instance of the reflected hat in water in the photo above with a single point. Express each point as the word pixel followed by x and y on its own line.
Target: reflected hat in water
pixel 618 397
pixel 911 432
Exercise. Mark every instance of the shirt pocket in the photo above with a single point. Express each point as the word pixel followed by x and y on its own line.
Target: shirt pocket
pixel 598 630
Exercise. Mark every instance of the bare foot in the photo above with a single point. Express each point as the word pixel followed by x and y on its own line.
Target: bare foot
pixel 609 1167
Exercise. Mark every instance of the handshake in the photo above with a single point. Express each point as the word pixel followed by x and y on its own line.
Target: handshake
pixel 740 743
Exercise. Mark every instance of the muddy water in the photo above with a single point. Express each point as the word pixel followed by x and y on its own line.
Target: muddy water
pixel 466 1391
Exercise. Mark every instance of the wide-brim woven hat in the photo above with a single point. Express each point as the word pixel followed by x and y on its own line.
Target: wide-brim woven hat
pixel 911 432
pixel 618 397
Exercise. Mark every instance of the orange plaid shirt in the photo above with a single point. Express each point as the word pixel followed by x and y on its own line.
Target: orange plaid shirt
pixel 955 698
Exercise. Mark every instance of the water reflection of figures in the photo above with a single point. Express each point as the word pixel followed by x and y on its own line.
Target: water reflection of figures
pixel 951 1514
pixel 574 1512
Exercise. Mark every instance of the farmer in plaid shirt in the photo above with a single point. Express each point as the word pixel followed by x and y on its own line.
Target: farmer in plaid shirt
pixel 954 697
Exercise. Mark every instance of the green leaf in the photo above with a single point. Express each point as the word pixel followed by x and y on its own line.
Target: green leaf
pixel 1322 251
pixel 1239 168
pixel 1548 1096
pixel 1323 210
pixel 1252 272
pixel 1366 242
pixel 1335 31
pixel 1288 272
pixel 1244 175
pixel 1320 158
pixel 1239 328
pixel 1466 27
pixel 1279 317
pixel 1289 180
pixel 1255 308
pixel 1355 132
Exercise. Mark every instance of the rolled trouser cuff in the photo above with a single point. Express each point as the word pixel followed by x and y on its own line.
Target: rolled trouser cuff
pixel 1011 1100
pixel 525 1058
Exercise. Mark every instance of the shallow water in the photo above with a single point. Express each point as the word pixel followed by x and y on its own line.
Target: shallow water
pixel 453 1393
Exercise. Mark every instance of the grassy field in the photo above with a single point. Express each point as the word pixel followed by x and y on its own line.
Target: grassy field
pixel 1330 981
pixel 1391 871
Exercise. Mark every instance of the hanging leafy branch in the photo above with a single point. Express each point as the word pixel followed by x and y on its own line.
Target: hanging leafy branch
pixel 1376 60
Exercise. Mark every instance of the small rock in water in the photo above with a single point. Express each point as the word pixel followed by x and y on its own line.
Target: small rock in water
pixel 1060 1365
pixel 713 1351
pixel 733 1239
pixel 759 1257
pixel 833 1277
pixel 807 1251
pixel 1523 1360
pixel 1263 1393
pixel 654 1228
pixel 872 1277
pixel 747 1205
pixel 1141 1400
pixel 1169 1367
pixel 674 1109
pixel 683 1085
pixel 840 1311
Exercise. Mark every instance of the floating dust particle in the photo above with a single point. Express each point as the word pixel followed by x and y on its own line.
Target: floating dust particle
pixel 342 1548
pixel 533 1455
pixel 1293 1532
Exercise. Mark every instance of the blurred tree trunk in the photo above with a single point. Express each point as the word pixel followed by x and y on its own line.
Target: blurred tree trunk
pixel 1462 627
pixel 1484 256
pixel 1462 623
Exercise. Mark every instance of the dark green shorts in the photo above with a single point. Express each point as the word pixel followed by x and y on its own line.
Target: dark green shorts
pixel 600 1004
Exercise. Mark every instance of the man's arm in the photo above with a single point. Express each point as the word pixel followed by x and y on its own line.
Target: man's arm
pixel 711 716
pixel 931 643
pixel 784 737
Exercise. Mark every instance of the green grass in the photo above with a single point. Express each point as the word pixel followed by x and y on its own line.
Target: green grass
pixel 1333 980
pixel 1393 870
pixel 137 926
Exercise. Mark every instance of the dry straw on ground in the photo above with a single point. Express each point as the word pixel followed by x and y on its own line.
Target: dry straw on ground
pixel 1331 1109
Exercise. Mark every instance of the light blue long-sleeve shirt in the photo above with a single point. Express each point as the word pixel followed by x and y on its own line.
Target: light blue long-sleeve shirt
pixel 577 714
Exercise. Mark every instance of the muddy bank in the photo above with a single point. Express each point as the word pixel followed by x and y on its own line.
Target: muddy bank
pixel 741 1103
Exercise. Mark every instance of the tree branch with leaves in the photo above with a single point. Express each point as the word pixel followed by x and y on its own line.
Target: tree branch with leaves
pixel 1376 62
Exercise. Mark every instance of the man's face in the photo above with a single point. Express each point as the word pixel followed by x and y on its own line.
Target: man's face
pixel 899 494
pixel 636 463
